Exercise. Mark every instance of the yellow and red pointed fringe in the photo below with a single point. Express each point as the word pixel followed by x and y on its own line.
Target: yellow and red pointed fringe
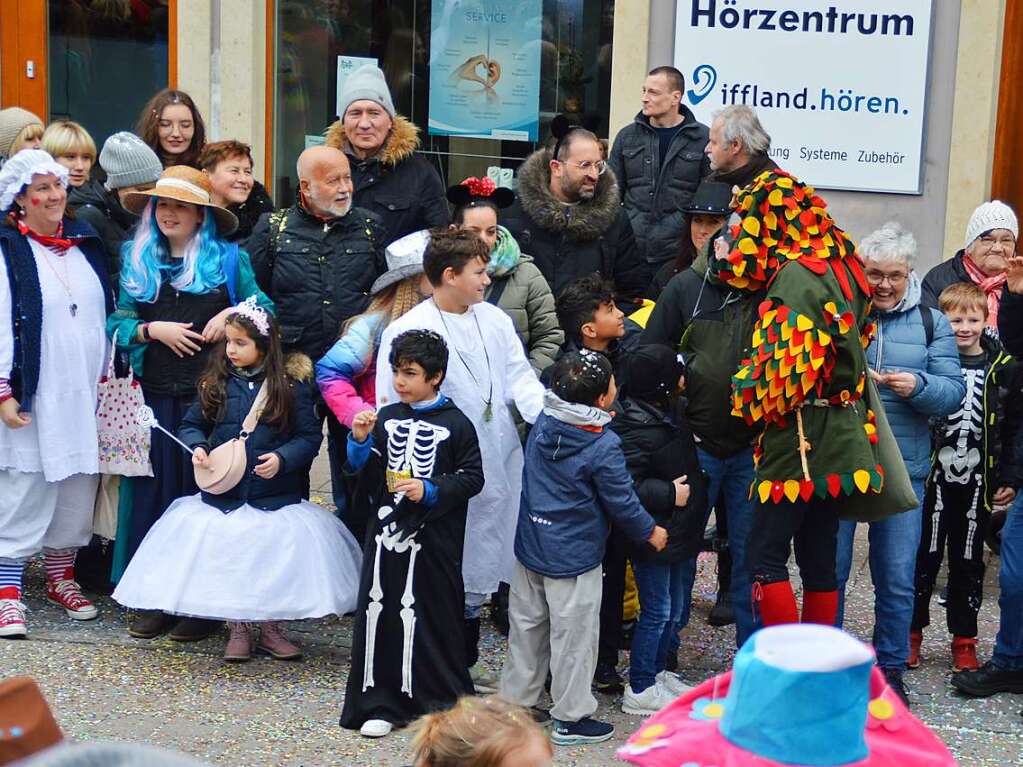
pixel 824 486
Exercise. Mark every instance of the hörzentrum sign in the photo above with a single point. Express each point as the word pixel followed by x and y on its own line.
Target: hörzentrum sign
pixel 840 86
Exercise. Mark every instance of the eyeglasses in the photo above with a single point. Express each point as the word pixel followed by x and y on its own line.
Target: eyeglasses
pixel 586 166
pixel 876 278
pixel 1009 243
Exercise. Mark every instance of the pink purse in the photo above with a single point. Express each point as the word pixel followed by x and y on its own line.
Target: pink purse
pixel 227 462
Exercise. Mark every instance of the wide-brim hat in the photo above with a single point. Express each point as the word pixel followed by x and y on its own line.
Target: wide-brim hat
pixel 184 184
pixel 798 694
pixel 713 198
pixel 26 724
pixel 404 259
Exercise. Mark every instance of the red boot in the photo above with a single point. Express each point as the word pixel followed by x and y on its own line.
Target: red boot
pixel 916 638
pixel 820 607
pixel 964 654
pixel 777 603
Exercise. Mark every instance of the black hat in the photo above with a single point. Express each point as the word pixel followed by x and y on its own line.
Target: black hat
pixel 713 198
pixel 651 371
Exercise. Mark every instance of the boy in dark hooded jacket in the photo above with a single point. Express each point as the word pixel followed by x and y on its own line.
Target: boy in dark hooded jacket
pixel 574 481
pixel 660 454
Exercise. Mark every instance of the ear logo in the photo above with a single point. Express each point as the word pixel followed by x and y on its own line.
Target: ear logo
pixel 705 77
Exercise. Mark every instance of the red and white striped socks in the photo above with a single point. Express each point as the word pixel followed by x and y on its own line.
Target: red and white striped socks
pixel 60 564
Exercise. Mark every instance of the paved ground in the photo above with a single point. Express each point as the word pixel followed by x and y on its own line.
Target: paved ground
pixel 103 684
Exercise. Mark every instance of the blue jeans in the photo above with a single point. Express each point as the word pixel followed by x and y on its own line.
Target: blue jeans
pixel 732 477
pixel 1009 643
pixel 893 546
pixel 661 597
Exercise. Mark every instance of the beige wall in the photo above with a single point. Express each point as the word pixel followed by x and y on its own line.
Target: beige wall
pixel 974 116
pixel 629 60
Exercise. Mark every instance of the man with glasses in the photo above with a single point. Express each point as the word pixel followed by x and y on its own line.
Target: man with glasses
pixel 659 161
pixel 990 241
pixel 567 215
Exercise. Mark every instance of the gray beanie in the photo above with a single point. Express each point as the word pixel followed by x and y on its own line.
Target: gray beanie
pixel 366 82
pixel 128 161
pixel 13 121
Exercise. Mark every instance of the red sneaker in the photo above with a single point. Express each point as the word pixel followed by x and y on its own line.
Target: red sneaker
pixel 916 639
pixel 12 614
pixel 68 594
pixel 964 654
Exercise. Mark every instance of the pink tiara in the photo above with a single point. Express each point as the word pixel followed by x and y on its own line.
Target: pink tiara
pixel 255 313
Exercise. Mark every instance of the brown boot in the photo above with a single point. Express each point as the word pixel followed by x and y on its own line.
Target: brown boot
pixel 239 644
pixel 916 638
pixel 273 641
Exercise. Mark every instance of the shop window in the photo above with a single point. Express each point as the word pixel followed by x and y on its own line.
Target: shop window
pixel 107 58
pixel 572 51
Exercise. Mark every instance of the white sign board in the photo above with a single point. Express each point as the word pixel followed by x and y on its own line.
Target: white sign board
pixel 841 86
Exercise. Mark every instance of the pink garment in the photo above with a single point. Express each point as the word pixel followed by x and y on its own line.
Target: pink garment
pixel 346 399
pixel 992 287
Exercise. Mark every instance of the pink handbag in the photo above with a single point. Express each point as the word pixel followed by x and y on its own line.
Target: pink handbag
pixel 123 443
pixel 227 462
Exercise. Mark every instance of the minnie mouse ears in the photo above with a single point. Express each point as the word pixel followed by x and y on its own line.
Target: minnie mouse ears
pixel 474 189
pixel 561 127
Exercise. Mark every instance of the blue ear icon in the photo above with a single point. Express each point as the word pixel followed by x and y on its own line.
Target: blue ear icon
pixel 705 77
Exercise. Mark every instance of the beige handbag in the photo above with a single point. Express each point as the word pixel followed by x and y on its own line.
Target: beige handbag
pixel 227 462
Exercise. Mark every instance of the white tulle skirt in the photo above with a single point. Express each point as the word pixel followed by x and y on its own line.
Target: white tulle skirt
pixel 247 565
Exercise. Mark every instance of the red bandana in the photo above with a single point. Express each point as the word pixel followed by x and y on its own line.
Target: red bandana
pixel 57 243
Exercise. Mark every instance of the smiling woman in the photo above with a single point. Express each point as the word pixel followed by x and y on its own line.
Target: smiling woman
pixel 172 126
pixel 229 166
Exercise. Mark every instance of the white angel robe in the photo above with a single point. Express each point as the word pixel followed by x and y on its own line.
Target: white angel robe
pixel 488 555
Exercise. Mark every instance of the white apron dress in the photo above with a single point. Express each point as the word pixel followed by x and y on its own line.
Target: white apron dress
pixel 489 553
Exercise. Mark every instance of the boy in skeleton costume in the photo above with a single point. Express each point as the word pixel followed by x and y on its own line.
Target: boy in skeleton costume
pixel 488 373
pixel 419 464
pixel 974 469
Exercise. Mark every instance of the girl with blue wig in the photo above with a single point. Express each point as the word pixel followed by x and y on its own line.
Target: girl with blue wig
pixel 179 279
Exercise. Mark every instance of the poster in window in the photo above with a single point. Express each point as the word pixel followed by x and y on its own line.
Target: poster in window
pixel 485 68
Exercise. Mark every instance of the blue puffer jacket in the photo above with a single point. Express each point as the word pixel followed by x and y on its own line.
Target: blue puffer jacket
pixel 901 345
pixel 574 483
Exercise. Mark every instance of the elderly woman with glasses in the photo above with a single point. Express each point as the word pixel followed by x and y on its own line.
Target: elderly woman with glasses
pixel 990 242
pixel 914 360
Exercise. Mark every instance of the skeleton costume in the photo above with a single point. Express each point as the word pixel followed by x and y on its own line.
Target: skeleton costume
pixel 974 455
pixel 407 653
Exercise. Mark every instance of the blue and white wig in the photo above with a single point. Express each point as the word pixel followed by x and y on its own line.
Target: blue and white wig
pixel 148 263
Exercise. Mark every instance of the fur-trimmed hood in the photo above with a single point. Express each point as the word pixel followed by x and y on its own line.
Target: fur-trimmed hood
pixel 402 141
pixel 582 222
pixel 298 367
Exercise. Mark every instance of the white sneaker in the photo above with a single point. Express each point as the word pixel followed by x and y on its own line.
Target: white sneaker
pixel 376 728
pixel 673 684
pixel 646 703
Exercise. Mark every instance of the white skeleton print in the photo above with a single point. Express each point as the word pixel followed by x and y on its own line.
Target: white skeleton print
pixel 411 449
pixel 958 463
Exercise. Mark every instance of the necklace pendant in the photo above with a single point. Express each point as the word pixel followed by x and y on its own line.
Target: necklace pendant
pixel 488 412
pixel 74 310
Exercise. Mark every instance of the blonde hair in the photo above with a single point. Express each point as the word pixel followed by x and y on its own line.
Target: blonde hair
pixel 477 732
pixel 65 136
pixel 394 301
pixel 33 132
pixel 963 296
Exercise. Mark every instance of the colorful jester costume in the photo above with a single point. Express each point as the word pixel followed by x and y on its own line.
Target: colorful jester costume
pixel 804 382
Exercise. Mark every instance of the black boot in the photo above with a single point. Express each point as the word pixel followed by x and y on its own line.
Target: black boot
pixel 989 679
pixel 472 641
pixel 722 613
pixel 499 609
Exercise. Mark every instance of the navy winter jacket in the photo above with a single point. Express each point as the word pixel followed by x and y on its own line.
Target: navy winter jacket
pixel 900 344
pixel 574 483
pixel 296 445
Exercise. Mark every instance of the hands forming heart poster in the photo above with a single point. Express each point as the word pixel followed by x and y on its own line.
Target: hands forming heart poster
pixel 485 69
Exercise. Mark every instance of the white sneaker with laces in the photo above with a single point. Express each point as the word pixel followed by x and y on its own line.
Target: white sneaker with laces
pixel 645 703
pixel 673 684
pixel 12 619
pixel 375 728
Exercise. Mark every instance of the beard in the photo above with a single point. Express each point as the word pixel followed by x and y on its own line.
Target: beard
pixel 575 190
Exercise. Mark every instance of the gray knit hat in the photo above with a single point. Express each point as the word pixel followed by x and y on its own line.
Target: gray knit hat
pixel 366 82
pixel 13 121
pixel 128 161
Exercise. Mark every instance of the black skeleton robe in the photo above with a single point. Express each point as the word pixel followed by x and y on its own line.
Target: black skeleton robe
pixel 392 678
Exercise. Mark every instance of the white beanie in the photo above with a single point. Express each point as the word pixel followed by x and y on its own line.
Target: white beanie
pixel 366 82
pixel 988 216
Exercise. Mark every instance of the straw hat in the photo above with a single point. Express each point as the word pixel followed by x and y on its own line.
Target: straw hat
pixel 185 184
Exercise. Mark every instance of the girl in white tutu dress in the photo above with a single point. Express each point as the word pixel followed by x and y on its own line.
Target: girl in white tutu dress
pixel 256 553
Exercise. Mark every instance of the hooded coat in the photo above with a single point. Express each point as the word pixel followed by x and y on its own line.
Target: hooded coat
pixel 571 241
pixel 401 188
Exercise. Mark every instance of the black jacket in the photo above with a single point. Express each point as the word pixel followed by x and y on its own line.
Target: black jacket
pixel 653 190
pixel 318 274
pixel 401 188
pixel 658 448
pixel 941 276
pixel 250 211
pixel 569 242
pixel 296 445
pixel 102 210
pixel 712 326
